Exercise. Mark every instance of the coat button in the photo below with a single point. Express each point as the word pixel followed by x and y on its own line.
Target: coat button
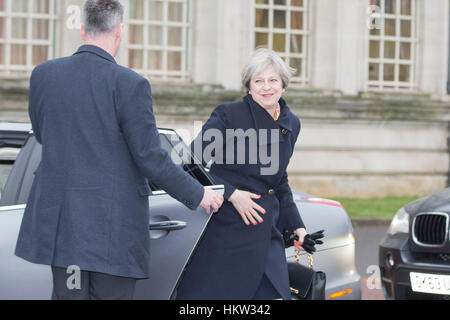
pixel 284 131
pixel 271 192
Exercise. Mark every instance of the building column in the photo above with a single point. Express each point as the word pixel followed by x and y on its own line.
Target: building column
pixel 205 39
pixel 323 41
pixel 432 47
pixel 235 40
pixel 352 46
pixel 70 15
pixel 339 40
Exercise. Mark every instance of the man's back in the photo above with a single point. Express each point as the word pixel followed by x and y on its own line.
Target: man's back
pixel 89 201
pixel 76 116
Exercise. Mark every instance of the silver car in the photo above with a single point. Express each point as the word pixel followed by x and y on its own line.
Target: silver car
pixel 174 230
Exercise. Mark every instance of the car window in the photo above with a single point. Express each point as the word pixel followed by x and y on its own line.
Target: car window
pixel 12 138
pixel 18 184
pixel 5 169
pixel 182 156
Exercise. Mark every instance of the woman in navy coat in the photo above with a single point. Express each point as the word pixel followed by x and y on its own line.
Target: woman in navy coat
pixel 242 253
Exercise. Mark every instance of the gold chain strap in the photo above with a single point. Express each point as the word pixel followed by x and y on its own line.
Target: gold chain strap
pixel 297 260
pixel 310 258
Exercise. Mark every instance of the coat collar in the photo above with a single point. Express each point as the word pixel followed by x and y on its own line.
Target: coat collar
pixel 283 121
pixel 285 116
pixel 96 50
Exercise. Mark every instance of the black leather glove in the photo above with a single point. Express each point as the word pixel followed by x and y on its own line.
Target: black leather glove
pixel 311 240
pixel 318 235
pixel 289 238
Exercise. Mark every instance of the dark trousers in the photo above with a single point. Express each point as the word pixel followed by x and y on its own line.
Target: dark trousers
pixel 90 286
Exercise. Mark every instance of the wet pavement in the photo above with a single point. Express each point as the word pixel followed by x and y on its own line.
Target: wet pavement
pixel 367 240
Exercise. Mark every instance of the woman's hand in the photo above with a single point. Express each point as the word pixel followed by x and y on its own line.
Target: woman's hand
pixel 246 207
pixel 301 233
pixel 306 241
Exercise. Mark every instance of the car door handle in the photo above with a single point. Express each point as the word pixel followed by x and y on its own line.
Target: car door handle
pixel 167 226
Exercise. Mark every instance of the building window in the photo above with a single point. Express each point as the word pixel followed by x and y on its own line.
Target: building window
pixel 283 26
pixel 158 38
pixel 392 46
pixel 26 34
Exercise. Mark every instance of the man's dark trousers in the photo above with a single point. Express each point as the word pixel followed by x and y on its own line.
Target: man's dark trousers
pixel 91 286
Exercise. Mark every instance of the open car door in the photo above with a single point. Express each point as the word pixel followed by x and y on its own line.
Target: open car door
pixel 175 230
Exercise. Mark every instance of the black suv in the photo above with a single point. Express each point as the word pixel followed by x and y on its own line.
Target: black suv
pixel 414 257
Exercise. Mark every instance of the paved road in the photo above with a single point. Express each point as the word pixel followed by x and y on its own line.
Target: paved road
pixel 367 241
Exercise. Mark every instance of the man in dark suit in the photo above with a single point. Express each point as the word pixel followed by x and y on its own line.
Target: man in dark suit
pixel 88 206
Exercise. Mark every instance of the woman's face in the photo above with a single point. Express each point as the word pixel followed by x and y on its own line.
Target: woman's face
pixel 266 88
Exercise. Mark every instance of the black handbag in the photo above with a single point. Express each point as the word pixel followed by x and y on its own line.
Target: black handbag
pixel 306 284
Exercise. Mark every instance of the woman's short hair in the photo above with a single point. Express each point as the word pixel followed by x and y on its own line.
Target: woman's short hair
pixel 263 58
pixel 101 16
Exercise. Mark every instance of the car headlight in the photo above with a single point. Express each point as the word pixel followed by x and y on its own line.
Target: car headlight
pixel 400 223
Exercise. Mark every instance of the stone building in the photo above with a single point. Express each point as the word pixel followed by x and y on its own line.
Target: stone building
pixel 371 86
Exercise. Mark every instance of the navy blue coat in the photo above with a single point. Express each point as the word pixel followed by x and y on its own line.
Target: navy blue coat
pixel 88 205
pixel 231 258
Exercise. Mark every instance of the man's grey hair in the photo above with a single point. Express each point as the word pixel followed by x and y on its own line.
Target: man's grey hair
pixel 101 16
pixel 263 58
